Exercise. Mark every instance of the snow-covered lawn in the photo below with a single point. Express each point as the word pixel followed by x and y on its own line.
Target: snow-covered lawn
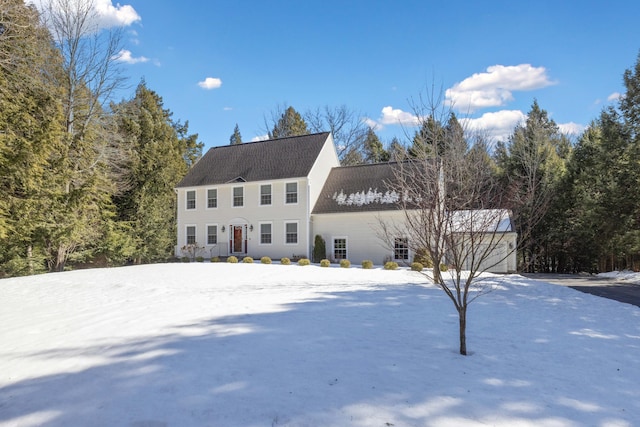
pixel 250 345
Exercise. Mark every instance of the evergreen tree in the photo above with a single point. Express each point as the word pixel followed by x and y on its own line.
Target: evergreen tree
pixel 374 151
pixel 290 123
pixel 427 141
pixel 159 159
pixel 235 138
pixel 397 152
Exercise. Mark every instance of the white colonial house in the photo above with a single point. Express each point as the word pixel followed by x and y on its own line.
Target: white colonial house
pixel 271 198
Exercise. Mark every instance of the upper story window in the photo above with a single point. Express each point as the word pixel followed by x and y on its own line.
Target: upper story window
pixel 291 196
pixel 238 197
pixel 265 194
pixel 191 199
pixel 212 198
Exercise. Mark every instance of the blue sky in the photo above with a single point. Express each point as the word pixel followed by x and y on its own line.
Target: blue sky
pixel 218 63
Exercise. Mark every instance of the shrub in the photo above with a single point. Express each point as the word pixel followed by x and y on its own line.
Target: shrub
pixel 416 266
pixel 367 264
pixel 304 261
pixel 345 263
pixel 200 259
pixel 390 265
pixel 247 260
pixel 265 260
pixel 215 259
pixel 285 261
pixel 232 259
pixel 185 259
pixel 422 256
pixel 319 249
pixel 443 267
pixel 325 263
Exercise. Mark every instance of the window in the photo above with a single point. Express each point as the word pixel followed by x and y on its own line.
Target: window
pixel 340 248
pixel 212 198
pixel 291 232
pixel 191 199
pixel 238 197
pixel 265 234
pixel 265 194
pixel 191 234
pixel 401 248
pixel 212 235
pixel 291 192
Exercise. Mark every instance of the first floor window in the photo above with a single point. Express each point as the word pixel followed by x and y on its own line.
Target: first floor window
pixel 212 198
pixel 265 234
pixel 238 196
pixel 291 232
pixel 340 248
pixel 401 248
pixel 191 234
pixel 212 235
pixel 191 199
pixel 291 192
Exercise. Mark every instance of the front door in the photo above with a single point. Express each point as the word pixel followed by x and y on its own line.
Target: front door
pixel 237 239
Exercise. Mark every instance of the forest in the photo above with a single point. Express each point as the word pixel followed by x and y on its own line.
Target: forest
pixel 87 181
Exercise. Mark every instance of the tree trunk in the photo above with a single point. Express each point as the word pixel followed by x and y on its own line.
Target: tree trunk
pixel 462 315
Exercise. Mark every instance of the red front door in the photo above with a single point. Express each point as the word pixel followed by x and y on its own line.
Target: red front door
pixel 237 238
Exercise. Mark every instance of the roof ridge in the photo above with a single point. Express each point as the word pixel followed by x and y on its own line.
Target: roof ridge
pixel 267 140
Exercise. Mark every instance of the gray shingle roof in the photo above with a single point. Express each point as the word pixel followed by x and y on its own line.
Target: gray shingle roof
pixel 362 188
pixel 281 158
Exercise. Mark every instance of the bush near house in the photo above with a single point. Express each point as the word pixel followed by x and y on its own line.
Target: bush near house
pixel 367 264
pixel 304 261
pixel 247 260
pixel 416 266
pixel 265 260
pixel 285 261
pixel 422 256
pixel 325 263
pixel 185 259
pixel 319 249
pixel 345 263
pixel 232 259
pixel 215 259
pixel 390 265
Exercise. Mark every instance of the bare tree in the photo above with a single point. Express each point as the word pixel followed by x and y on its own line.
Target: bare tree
pixel 452 213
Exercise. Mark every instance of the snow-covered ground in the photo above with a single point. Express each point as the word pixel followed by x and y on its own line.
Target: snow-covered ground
pixel 250 345
pixel 623 276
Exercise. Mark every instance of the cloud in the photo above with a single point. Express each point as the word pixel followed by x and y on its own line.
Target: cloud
pixel 105 14
pixel 495 87
pixel 498 125
pixel 210 83
pixel 125 56
pixel 260 138
pixel 571 128
pixel 614 96
pixel 395 116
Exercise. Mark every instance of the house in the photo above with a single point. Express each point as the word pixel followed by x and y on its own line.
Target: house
pixel 270 198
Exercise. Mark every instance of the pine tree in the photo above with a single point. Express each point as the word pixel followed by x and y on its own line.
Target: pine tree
pixel 235 138
pixel 374 151
pixel 290 123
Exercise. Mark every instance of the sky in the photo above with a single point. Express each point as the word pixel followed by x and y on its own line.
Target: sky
pixel 221 63
pixel 248 345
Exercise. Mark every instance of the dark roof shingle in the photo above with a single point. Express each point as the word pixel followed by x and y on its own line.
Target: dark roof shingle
pixel 282 158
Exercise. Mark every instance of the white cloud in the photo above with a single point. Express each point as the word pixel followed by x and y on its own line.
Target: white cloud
pixel 614 96
pixel 395 116
pixel 126 56
pixel 495 87
pixel 260 138
pixel 210 83
pixel 571 128
pixel 105 14
pixel 498 125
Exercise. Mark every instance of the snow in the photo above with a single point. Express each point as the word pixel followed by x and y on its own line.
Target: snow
pixel 248 345
pixel 622 276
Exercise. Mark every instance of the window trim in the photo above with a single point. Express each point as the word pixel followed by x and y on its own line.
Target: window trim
pixel 260 224
pixel 286 193
pixel 186 200
pixel 333 247
pixel 270 195
pixel 297 223
pixel 208 198
pixel 217 234
pixel 233 196
pixel 186 234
